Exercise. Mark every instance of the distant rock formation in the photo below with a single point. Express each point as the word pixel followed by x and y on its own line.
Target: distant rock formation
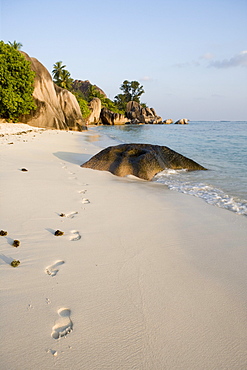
pixel 183 121
pixel 95 107
pixel 84 87
pixel 138 114
pixel 168 121
pixel 141 160
pixel 56 107
pixel 108 117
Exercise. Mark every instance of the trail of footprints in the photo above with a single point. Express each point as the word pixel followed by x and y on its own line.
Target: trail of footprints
pixel 64 325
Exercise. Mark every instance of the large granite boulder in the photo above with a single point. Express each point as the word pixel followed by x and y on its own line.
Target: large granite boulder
pixel 138 114
pixel 56 107
pixel 85 87
pixel 95 107
pixel 108 117
pixel 183 121
pixel 141 160
pixel 168 121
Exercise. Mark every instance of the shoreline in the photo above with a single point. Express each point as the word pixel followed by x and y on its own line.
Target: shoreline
pixel 145 277
pixel 223 185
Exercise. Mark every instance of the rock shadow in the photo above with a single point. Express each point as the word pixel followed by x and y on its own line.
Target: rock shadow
pixel 52 231
pixel 75 158
pixel 5 259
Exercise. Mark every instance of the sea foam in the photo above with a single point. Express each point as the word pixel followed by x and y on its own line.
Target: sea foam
pixel 209 193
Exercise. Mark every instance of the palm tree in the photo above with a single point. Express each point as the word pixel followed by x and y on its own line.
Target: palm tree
pixel 57 71
pixel 65 80
pixel 61 76
pixel 16 45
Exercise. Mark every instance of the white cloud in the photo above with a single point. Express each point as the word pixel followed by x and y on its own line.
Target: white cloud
pixel 236 61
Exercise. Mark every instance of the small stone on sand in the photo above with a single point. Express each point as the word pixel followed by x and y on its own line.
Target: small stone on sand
pixel 58 233
pixel 16 243
pixel 15 263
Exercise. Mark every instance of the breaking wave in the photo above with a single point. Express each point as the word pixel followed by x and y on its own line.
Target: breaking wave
pixel 212 195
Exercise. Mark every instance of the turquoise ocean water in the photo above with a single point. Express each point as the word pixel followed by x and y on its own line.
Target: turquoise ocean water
pixel 220 146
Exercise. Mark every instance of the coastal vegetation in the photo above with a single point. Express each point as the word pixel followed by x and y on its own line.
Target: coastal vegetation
pixel 17 87
pixel 83 104
pixel 61 76
pixel 16 82
pixel 16 45
pixel 105 102
pixel 131 91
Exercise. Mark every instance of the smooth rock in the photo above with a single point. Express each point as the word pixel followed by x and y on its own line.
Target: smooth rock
pixel 183 121
pixel 138 114
pixel 56 107
pixel 95 107
pixel 84 87
pixel 168 121
pixel 108 117
pixel 141 160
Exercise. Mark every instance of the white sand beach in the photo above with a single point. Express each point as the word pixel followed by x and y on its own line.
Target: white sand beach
pixel 142 278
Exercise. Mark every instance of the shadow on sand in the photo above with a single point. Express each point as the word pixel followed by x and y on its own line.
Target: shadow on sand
pixel 5 259
pixel 75 158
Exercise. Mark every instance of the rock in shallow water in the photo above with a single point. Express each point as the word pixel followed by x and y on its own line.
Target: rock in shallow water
pixel 141 160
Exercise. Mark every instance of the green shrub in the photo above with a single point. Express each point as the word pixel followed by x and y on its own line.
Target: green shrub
pixel 106 102
pixel 16 83
pixel 85 111
pixel 109 104
pixel 83 104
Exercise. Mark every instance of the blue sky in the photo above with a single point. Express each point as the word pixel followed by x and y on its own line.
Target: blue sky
pixel 190 56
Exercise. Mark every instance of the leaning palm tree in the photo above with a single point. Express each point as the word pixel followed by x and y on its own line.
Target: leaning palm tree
pixel 57 71
pixel 16 45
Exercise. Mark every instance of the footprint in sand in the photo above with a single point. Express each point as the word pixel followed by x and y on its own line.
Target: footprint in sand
pixel 83 191
pixel 75 235
pixel 69 215
pixel 85 201
pixel 52 351
pixel 63 325
pixel 53 269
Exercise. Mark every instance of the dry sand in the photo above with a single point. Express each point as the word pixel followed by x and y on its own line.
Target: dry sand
pixel 142 278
